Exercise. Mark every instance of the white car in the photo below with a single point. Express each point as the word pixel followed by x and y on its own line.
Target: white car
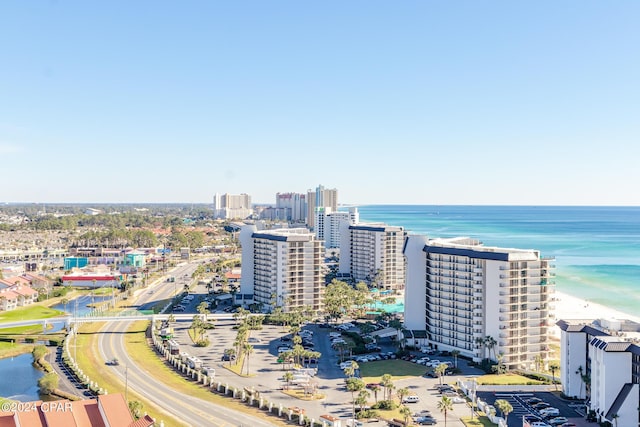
pixel 458 399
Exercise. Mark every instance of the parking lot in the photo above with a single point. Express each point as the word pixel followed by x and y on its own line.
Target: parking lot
pixel 524 405
pixel 267 374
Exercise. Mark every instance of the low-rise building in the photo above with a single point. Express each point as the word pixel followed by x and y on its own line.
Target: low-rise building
pixel 600 362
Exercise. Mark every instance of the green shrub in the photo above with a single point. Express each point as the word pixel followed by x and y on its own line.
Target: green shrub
pixel 385 405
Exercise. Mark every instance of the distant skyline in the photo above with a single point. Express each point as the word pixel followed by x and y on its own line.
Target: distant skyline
pixel 410 102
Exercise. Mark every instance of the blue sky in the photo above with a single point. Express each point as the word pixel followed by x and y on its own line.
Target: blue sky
pixel 425 102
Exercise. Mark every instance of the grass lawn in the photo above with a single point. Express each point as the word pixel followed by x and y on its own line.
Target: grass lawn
pixel 506 379
pixel 28 313
pixel 22 330
pixel 143 355
pixel 477 422
pixel 8 349
pixel 372 372
pixel 299 394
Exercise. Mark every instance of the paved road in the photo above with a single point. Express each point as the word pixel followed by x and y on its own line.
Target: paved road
pixel 193 411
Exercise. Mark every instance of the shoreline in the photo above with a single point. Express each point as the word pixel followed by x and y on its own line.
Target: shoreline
pixel 569 307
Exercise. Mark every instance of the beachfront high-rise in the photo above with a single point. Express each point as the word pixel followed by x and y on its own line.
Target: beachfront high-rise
pixel 230 206
pixel 372 253
pixel 329 224
pixel 481 301
pixel 320 198
pixel 282 267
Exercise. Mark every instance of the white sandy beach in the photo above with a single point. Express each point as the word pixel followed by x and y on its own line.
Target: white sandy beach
pixel 572 308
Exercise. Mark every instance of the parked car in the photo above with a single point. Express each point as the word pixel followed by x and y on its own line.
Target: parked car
pixel 411 399
pixel 425 421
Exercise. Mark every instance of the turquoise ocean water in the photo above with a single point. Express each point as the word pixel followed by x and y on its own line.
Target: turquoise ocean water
pixel 597 249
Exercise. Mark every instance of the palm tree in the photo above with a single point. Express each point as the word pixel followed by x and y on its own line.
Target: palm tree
pixel 375 389
pixel 64 302
pixel 288 377
pixel 481 343
pixel 203 309
pixel 387 383
pixel 406 413
pixel 579 372
pixel 401 393
pixel 455 354
pixel 247 349
pixel 439 370
pixel 350 370
pixel 445 404
pixel 537 362
pixel 354 385
pixel 505 407
pixel 553 367
pixel 230 352
pixel 362 399
pixel 490 342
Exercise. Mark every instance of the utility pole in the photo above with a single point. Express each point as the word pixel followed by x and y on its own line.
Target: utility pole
pixel 126 383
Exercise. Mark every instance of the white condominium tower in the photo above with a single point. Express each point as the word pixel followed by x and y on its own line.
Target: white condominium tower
pixel 372 253
pixel 329 224
pixel 320 198
pixel 282 267
pixel 229 206
pixel 294 203
pixel 481 301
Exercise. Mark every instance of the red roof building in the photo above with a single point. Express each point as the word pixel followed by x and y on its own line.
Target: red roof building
pixel 109 410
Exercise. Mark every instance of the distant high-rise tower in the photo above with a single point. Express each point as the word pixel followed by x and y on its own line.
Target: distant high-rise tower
pixel 320 198
pixel 229 206
pixel 295 205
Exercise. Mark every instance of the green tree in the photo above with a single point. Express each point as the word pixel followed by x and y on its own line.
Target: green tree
pixel 203 308
pixel 375 389
pixel 350 370
pixel 397 325
pixel 288 377
pixel 504 406
pixel 406 414
pixel 354 385
pixel 247 349
pixel 387 382
pixel 362 399
pixel 135 407
pixel 491 343
pixel 402 393
pixel 553 367
pixel 48 383
pixel 445 405
pixel 440 370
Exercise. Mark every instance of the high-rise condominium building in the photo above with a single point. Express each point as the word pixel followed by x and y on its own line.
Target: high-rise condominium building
pixel 329 224
pixel 481 301
pixel 282 267
pixel 372 253
pixel 295 204
pixel 320 198
pixel 229 206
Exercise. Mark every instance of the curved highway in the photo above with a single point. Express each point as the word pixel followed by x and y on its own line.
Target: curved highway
pixel 192 411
